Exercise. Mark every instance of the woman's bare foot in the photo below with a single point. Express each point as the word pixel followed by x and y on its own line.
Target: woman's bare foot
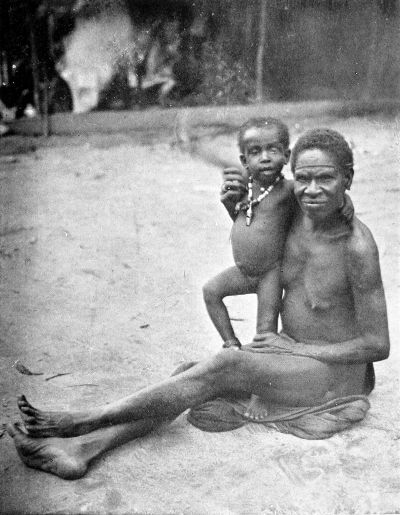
pixel 44 424
pixel 54 455
pixel 257 410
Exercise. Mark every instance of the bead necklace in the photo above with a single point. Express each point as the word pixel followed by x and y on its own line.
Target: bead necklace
pixel 251 203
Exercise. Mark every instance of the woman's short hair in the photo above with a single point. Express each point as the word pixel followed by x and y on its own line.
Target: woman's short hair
pixel 326 140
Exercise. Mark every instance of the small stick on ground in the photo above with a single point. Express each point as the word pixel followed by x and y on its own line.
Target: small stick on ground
pixel 57 375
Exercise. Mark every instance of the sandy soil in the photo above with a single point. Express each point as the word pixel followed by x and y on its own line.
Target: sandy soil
pixel 105 243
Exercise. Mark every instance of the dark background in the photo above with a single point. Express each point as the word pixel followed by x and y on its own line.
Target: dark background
pixel 235 51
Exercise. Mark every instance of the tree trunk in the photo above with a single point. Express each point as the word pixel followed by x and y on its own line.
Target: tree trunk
pixel 34 60
pixel 248 26
pixel 50 57
pixel 374 65
pixel 261 51
pixel 383 29
pixel 6 36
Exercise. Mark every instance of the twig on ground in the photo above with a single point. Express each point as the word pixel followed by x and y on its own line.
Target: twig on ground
pixel 57 375
pixel 82 384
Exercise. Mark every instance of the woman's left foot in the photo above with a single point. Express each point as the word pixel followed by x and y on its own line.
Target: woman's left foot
pixel 58 456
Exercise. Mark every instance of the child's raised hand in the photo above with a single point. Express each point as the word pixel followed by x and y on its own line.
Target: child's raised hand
pixel 234 185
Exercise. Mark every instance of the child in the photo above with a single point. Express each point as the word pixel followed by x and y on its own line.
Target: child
pixel 261 222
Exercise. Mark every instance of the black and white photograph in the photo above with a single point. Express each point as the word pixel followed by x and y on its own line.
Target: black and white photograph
pixel 199 257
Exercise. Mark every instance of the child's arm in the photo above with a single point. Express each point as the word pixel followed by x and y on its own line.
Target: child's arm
pixel 233 189
pixel 269 296
pixel 347 210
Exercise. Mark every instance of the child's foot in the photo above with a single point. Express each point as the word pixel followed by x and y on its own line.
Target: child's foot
pixel 257 410
pixel 44 424
pixel 54 455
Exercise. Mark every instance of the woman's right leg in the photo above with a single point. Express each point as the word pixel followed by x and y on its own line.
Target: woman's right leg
pixel 63 423
pixel 285 379
pixel 164 400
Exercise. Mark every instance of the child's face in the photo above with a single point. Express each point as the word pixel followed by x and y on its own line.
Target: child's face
pixel 319 183
pixel 264 155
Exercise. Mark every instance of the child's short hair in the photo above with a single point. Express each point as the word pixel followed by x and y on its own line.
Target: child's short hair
pixel 261 122
pixel 326 140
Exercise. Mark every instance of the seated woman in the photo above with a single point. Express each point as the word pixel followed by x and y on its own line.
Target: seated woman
pixel 334 322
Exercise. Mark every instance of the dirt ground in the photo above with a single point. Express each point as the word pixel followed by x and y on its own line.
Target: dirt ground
pixel 105 242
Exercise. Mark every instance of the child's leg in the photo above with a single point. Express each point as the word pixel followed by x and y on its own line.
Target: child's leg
pixel 269 296
pixel 229 282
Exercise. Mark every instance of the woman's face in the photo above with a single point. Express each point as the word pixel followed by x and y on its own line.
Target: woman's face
pixel 319 183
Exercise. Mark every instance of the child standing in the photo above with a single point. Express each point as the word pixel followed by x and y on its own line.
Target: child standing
pixel 262 214
pixel 261 221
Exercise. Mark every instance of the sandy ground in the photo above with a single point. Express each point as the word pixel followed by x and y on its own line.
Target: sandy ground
pixel 105 243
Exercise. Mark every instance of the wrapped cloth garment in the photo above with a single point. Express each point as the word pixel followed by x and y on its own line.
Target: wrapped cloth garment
pixel 312 423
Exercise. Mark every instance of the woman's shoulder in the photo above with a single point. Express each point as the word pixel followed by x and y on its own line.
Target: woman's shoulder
pixel 360 241
pixel 362 254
